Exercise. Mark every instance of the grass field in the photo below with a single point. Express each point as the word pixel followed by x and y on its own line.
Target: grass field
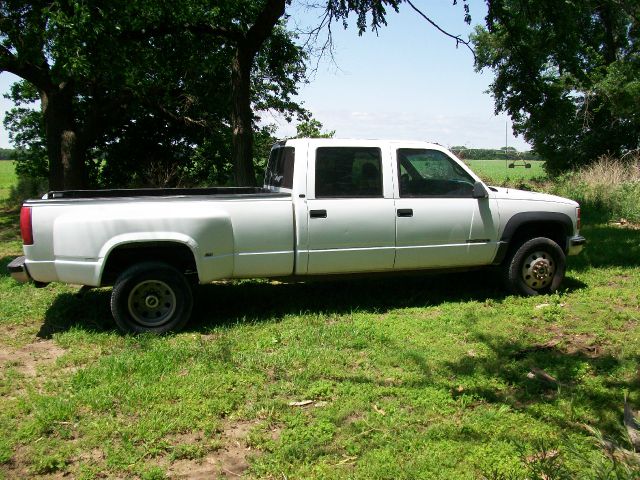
pixel 496 172
pixel 7 178
pixel 420 377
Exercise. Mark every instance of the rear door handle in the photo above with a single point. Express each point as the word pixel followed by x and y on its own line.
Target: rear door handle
pixel 318 213
pixel 405 212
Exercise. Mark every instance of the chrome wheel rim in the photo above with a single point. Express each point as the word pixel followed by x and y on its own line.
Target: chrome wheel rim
pixel 152 303
pixel 538 270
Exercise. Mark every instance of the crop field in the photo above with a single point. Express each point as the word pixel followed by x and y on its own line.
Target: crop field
pixel 497 172
pixel 7 178
pixel 415 377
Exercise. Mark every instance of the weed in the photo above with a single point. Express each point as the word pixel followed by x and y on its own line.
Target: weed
pixel 153 473
pixel 608 189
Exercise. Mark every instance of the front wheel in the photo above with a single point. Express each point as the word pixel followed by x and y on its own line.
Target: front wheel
pixel 534 268
pixel 151 297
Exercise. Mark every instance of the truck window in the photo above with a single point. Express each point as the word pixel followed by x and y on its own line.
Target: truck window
pixel 348 172
pixel 279 171
pixel 431 173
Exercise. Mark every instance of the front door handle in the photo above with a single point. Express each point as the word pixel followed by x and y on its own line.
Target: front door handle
pixel 405 212
pixel 318 213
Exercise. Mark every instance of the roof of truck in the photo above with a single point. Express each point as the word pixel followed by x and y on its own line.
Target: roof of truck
pixel 356 142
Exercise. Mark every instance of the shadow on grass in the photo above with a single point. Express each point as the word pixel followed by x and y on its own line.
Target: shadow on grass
pixel 9 224
pixel 88 311
pixel 4 261
pixel 255 301
pixel 259 300
pixel 512 361
pixel 227 304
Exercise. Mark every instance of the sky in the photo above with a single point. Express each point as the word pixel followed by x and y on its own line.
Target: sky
pixel 407 82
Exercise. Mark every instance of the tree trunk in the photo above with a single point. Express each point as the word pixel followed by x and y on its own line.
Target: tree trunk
pixel 242 119
pixel 52 136
pixel 66 158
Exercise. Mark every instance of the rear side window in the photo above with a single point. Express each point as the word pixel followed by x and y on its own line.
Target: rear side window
pixel 280 168
pixel 348 172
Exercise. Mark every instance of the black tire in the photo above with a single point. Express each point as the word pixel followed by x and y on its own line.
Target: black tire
pixel 534 268
pixel 151 297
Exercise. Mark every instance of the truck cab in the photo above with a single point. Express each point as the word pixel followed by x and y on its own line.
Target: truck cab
pixel 367 205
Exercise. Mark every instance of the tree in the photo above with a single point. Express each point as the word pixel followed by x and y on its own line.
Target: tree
pixel 7 153
pixel 92 65
pixel 312 128
pixel 567 74
pixel 105 74
pixel 248 27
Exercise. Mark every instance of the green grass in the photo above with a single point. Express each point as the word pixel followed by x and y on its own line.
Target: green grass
pixel 417 377
pixel 7 178
pixel 496 172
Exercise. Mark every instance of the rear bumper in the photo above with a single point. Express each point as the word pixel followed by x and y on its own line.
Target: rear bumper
pixel 18 270
pixel 576 244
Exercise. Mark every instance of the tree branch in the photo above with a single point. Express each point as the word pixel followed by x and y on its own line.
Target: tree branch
pixel 313 36
pixel 264 24
pixel 457 38
pixel 31 73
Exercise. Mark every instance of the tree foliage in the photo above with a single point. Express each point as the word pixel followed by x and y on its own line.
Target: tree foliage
pixel 568 74
pixel 312 128
pixel 131 87
pixel 7 153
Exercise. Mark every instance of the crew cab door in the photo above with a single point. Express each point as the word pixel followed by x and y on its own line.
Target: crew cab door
pixel 438 222
pixel 350 209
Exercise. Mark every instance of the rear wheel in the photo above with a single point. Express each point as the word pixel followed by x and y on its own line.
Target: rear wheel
pixel 534 268
pixel 151 297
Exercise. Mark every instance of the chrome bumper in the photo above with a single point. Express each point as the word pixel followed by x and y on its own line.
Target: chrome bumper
pixel 18 270
pixel 576 244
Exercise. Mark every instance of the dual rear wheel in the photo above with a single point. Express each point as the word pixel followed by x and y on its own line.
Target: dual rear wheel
pixel 151 297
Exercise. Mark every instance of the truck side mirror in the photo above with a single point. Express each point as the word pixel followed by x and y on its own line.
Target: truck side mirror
pixel 480 191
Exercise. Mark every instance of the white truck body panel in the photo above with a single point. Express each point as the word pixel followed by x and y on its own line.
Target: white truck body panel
pixel 84 234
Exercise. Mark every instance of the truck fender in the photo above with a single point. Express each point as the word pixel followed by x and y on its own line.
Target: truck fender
pixel 530 218
pixel 145 237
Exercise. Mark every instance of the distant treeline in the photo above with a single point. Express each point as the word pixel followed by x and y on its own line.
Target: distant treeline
pixel 508 153
pixel 6 153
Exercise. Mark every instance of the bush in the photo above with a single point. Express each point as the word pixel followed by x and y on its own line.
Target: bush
pixel 609 188
pixel 26 188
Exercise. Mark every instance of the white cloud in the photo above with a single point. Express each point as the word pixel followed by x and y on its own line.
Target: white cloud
pixel 469 130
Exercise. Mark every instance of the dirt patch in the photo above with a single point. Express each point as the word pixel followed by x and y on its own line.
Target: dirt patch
pixel 229 461
pixel 18 468
pixel 353 418
pixel 27 359
pixel 572 343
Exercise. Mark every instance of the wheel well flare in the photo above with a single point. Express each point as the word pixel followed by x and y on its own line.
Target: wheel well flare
pixel 176 254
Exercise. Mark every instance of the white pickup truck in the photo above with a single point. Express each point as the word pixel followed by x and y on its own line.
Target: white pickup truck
pixel 327 207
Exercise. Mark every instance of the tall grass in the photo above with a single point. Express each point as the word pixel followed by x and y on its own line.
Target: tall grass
pixel 608 188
